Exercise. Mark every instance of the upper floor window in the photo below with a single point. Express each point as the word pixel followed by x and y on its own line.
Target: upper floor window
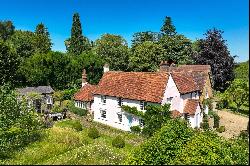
pixel 143 105
pixel 169 100
pixel 103 113
pixel 119 100
pixel 103 99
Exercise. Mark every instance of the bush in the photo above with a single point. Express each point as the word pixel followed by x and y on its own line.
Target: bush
pixel 135 129
pixel 222 104
pixel 204 124
pixel 56 109
pixel 221 129
pixel 216 120
pixel 79 111
pixel 118 142
pixel 74 124
pixel 243 134
pixel 93 133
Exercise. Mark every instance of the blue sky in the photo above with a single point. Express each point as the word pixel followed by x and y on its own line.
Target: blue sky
pixel 125 17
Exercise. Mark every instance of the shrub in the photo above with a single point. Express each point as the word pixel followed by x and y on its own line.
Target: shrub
pixel 216 120
pixel 77 111
pixel 118 142
pixel 204 124
pixel 93 133
pixel 221 129
pixel 222 104
pixel 243 134
pixel 74 124
pixel 56 109
pixel 135 129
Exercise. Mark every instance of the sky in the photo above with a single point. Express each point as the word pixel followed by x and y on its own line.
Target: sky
pixel 191 18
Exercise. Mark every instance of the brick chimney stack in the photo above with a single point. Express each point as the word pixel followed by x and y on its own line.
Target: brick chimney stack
pixel 84 78
pixel 167 66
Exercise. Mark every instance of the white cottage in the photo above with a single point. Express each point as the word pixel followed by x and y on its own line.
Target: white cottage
pixel 138 89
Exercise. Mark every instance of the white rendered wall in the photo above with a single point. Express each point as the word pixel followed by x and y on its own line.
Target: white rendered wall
pixel 196 119
pixel 112 108
pixel 172 91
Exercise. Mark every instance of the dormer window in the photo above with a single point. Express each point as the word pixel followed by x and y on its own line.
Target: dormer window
pixel 103 99
pixel 143 105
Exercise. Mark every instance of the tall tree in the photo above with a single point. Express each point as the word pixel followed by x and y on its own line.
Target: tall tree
pixel 9 62
pixel 213 51
pixel 168 28
pixel 177 48
pixel 77 43
pixel 42 39
pixel 6 29
pixel 114 50
pixel 141 37
pixel 146 57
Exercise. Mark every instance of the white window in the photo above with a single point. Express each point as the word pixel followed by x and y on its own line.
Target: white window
pixel 103 113
pixel 103 99
pixel 119 117
pixel 169 100
pixel 143 105
pixel 119 100
pixel 141 122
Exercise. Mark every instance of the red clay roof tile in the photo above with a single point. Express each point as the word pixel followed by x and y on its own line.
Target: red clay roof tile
pixel 146 86
pixel 191 106
pixel 86 93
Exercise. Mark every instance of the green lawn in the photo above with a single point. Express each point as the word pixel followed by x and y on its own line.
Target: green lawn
pixel 65 145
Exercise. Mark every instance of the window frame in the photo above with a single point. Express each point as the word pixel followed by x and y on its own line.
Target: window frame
pixel 103 99
pixel 103 114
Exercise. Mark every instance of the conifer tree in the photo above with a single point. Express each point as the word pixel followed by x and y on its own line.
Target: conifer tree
pixel 168 28
pixel 43 42
pixel 77 43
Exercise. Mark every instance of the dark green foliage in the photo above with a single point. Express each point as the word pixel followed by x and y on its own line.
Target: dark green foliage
pixel 77 43
pixel 207 148
pixel 132 110
pixel 244 134
pixel 177 48
pixel 68 94
pixel 241 71
pixel 74 124
pixel 216 120
pixel 6 29
pixel 42 39
pixel 56 109
pixel 205 124
pixel 19 124
pixel 213 51
pixel 221 129
pixel 168 28
pixel 78 111
pixel 9 62
pixel 118 142
pixel 163 147
pixel 155 117
pixel 114 50
pixel 135 129
pixel 93 133
pixel 222 103
pixel 146 57
pixel 141 37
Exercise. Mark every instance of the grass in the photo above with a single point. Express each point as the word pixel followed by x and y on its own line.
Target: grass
pixel 62 144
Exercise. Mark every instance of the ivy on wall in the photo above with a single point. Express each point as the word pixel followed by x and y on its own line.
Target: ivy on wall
pixel 132 110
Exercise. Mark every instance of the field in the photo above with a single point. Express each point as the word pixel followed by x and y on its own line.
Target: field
pixel 64 145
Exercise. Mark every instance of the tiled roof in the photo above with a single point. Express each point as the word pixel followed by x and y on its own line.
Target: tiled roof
pixel 184 82
pixel 146 86
pixel 175 114
pixel 191 106
pixel 205 68
pixel 86 93
pixel 39 89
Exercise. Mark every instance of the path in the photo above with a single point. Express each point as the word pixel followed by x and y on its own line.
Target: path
pixel 232 122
